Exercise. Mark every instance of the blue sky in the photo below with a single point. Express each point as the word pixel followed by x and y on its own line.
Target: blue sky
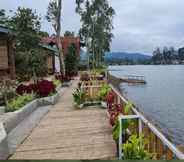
pixel 140 25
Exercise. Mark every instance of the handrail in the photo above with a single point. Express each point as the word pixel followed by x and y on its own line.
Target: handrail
pixel 165 141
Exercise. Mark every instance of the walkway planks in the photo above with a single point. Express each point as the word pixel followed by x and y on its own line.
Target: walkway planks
pixel 67 133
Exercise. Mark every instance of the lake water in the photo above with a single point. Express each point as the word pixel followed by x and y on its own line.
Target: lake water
pixel 161 99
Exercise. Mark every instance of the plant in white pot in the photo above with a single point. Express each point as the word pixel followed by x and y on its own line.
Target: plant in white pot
pixel 79 98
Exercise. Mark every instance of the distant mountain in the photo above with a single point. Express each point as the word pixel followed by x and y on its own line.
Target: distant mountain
pixel 126 55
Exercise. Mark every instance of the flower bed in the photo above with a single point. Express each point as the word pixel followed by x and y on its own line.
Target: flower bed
pixel 11 120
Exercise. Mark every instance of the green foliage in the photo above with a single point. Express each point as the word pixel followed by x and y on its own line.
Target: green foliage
pixel 79 96
pixel 116 128
pixel 19 102
pixel 31 64
pixel 100 70
pixel 69 34
pixel 104 90
pixel 96 18
pixel 71 60
pixel 3 18
pixel 29 60
pixel 128 107
pixel 125 123
pixel 26 25
pixel 7 90
pixel 57 83
pixel 134 149
pixel 168 56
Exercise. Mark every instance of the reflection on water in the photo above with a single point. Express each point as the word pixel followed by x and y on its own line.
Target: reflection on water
pixel 161 99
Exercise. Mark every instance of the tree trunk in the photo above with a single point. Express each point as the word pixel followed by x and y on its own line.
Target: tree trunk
pixel 59 45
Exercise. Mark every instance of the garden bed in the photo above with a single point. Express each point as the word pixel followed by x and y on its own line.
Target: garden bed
pixel 11 120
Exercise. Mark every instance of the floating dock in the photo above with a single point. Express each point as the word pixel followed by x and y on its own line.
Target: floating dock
pixel 133 79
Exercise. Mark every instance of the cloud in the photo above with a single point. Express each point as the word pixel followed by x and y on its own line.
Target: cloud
pixel 70 20
pixel 140 25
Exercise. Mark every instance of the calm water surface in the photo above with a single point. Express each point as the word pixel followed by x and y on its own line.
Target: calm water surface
pixel 161 99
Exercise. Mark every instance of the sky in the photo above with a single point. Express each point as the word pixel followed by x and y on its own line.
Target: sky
pixel 139 25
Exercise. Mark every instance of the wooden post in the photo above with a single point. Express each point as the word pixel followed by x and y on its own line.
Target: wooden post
pixel 11 55
pixel 159 149
pixel 169 154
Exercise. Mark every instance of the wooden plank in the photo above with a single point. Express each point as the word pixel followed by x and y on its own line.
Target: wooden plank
pixel 68 133
pixel 160 149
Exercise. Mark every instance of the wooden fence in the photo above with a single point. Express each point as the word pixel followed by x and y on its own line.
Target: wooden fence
pixel 157 144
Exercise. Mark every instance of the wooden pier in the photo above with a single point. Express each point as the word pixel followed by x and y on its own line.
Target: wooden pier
pixel 68 133
pixel 133 79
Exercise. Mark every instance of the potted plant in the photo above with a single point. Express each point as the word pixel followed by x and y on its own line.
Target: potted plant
pixel 134 149
pixel 79 97
pixel 104 90
pixel 115 111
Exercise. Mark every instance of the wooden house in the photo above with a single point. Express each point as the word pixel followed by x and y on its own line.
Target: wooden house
pixel 65 41
pixel 7 58
pixel 52 56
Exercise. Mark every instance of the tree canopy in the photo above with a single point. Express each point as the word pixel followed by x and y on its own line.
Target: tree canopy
pixel 71 60
pixel 69 33
pixel 26 25
pixel 97 24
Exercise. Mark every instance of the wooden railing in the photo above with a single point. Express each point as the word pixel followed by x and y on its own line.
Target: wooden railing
pixel 94 83
pixel 157 144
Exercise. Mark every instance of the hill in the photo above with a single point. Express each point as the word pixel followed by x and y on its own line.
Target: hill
pixel 125 55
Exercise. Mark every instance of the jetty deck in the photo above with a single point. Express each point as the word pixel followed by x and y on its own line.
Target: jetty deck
pixel 133 79
pixel 68 133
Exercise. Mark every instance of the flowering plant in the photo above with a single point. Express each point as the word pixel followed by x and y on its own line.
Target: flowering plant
pixel 110 98
pixel 43 88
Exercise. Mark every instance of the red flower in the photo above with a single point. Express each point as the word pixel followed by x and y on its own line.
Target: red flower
pixel 42 88
pixel 110 98
pixel 45 88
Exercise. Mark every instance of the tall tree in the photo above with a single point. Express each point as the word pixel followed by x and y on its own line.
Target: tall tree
pixel 54 16
pixel 96 30
pixel 71 60
pixel 26 25
pixel 3 18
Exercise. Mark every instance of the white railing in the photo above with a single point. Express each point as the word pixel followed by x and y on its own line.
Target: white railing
pixel 171 150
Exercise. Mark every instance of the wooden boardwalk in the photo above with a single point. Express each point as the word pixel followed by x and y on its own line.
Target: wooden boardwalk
pixel 67 133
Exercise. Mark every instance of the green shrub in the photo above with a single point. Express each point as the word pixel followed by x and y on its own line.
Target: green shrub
pixel 18 102
pixel 79 96
pixel 57 83
pixel 104 90
pixel 134 149
pixel 125 124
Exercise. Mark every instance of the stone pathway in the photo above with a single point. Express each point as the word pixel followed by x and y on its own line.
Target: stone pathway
pixel 68 133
